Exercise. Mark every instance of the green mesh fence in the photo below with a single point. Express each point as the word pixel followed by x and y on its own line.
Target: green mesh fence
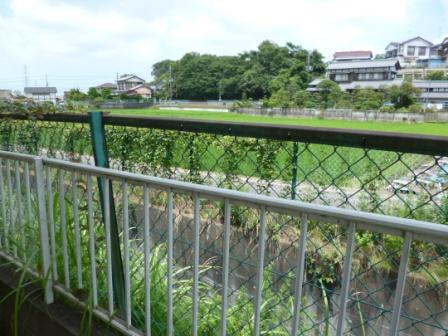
pixel 394 183
pixel 389 182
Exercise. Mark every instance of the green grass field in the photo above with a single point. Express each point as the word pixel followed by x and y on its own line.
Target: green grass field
pixel 421 128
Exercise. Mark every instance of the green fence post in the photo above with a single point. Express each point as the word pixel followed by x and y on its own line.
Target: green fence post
pixel 295 153
pixel 101 160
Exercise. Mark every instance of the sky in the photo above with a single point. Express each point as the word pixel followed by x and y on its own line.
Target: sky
pixel 83 43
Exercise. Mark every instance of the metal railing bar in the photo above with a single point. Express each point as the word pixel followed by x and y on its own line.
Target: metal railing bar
pixel 147 247
pixel 17 156
pixel 417 227
pixel 110 291
pixel 260 268
pixel 389 141
pixel 91 241
pixel 19 216
pixel 225 267
pixel 51 225
pixel 65 260
pixel 196 218
pixel 170 263
pixel 11 226
pixel 300 271
pixel 127 276
pixel 346 275
pixel 77 230
pixel 28 200
pixel 401 282
pixel 43 231
pixel 4 235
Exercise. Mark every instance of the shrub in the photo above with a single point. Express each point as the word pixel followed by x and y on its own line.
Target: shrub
pixel 387 109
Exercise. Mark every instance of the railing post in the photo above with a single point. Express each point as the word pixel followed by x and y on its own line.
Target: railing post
pixel 43 230
pixel 101 160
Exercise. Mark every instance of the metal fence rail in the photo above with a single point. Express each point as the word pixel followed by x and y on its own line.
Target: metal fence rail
pixel 201 260
pixel 389 173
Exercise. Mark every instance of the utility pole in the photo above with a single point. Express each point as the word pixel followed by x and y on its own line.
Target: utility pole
pixel 308 61
pixel 26 75
pixel 46 80
pixel 171 84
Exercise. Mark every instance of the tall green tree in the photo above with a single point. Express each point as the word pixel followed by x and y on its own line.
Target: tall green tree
pixel 253 74
pixel 403 95
pixel 329 93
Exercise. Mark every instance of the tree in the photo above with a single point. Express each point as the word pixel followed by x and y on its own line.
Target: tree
pixel 403 95
pixel 329 92
pixel 93 93
pixel 436 75
pixel 366 99
pixel 255 74
pixel 75 95
pixel 106 93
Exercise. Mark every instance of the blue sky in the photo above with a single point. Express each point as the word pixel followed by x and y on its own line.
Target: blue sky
pixel 86 42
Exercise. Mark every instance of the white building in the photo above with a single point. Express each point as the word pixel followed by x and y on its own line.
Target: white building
pixel 410 52
pixel 41 94
pixel 127 82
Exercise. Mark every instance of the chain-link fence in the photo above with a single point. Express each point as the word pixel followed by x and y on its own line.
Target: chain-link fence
pixel 393 174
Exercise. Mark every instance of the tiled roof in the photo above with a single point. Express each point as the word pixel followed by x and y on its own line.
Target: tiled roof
pixel 430 83
pixel 40 90
pixel 362 64
pixel 107 85
pixel 353 54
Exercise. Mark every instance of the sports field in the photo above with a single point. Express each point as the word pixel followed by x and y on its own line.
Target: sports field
pixel 416 128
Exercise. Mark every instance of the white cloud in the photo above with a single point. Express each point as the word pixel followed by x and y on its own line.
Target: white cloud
pixel 98 38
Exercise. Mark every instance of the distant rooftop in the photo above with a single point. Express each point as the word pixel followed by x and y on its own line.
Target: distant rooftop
pixel 107 86
pixel 127 77
pixel 362 64
pixel 353 54
pixel 40 90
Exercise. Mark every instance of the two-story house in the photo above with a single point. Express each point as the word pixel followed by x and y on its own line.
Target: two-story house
pixel 410 52
pixel 368 73
pixel 439 55
pixel 127 82
pixel 41 94
pixel 133 85
pixel 361 74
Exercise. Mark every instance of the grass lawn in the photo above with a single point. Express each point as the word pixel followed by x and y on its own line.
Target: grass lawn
pixel 420 128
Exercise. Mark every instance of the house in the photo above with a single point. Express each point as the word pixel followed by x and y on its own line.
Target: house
pixel 439 55
pixel 357 55
pixel 368 70
pixel 127 82
pixel 433 93
pixel 438 59
pixel 143 90
pixel 361 74
pixel 410 52
pixel 110 86
pixel 41 94
pixel 132 85
pixel 6 94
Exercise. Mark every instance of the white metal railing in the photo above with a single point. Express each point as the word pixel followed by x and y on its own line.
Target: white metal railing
pixel 222 247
